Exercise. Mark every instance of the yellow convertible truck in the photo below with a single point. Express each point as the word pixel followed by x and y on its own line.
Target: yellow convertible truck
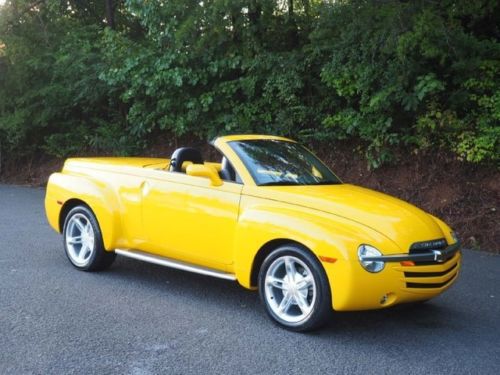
pixel 268 214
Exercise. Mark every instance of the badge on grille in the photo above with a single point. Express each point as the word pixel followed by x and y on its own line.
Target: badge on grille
pixel 439 256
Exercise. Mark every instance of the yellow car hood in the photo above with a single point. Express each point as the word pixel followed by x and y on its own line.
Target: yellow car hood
pixel 401 222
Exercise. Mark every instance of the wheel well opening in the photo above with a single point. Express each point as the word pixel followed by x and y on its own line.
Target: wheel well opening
pixel 66 208
pixel 264 251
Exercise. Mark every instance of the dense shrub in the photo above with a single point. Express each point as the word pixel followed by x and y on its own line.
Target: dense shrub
pixel 419 75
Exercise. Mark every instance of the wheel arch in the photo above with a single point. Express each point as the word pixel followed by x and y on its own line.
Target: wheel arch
pixel 263 227
pixel 267 249
pixel 67 207
pixel 66 191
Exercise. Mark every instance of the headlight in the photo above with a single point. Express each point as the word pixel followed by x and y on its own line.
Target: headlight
pixel 454 236
pixel 369 265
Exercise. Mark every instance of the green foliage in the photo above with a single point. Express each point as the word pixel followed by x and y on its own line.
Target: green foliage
pixel 481 139
pixel 418 75
pixel 51 99
pixel 407 73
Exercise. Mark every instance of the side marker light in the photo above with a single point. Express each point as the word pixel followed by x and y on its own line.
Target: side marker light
pixel 327 259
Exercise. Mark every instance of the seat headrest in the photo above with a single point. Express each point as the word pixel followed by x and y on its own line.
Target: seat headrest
pixel 184 154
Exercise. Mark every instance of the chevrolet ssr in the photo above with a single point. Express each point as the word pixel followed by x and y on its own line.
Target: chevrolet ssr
pixel 268 214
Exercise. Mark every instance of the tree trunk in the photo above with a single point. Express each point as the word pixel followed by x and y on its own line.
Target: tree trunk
pixel 110 14
pixel 292 27
pixel 254 14
pixel 290 10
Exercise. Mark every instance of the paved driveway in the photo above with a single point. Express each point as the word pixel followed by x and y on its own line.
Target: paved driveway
pixel 139 318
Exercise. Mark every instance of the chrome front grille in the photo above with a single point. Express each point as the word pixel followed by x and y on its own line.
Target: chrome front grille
pixel 418 247
pixel 423 247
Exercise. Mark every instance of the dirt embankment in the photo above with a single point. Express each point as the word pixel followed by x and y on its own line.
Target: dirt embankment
pixel 466 196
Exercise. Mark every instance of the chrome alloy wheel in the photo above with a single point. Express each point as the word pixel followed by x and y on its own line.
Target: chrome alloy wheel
pixel 80 239
pixel 290 289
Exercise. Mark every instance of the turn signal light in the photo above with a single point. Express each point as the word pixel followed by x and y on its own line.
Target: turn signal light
pixel 327 259
pixel 407 263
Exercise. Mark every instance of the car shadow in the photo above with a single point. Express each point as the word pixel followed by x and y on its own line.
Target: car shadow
pixel 169 280
pixel 427 316
pixel 418 319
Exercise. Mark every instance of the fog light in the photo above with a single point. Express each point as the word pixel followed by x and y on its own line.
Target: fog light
pixel 388 299
pixel 383 299
pixel 365 251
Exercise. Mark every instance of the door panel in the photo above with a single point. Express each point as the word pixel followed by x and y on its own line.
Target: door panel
pixel 190 220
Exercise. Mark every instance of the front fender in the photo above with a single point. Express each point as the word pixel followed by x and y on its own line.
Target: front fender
pixel 326 235
pixel 98 196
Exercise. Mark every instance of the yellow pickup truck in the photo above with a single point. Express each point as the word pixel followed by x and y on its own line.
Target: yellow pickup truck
pixel 268 214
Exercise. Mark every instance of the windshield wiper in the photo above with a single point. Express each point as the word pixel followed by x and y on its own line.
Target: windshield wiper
pixel 326 183
pixel 279 183
pixel 293 183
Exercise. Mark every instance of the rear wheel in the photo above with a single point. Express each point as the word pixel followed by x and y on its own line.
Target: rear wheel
pixel 83 241
pixel 294 289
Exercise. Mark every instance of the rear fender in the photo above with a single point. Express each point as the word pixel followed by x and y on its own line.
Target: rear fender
pixel 101 199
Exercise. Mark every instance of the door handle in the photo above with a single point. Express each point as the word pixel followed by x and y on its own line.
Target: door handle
pixel 145 188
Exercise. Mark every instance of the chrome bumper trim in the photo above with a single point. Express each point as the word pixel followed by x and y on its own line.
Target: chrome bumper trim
pixel 439 256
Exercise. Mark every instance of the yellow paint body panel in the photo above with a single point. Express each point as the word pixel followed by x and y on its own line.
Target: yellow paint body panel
pixel 140 205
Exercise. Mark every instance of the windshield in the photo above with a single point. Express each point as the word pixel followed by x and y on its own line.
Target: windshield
pixel 275 162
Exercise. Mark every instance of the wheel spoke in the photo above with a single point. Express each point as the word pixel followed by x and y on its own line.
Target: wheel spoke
pixel 305 283
pixel 75 240
pixel 83 252
pixel 285 303
pixel 88 229
pixel 302 303
pixel 80 225
pixel 275 282
pixel 290 268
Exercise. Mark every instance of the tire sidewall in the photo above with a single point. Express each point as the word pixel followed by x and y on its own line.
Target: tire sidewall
pixel 322 303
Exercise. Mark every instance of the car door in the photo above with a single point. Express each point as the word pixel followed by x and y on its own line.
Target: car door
pixel 186 218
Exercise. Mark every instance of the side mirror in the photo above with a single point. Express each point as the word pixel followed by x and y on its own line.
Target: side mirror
pixel 201 170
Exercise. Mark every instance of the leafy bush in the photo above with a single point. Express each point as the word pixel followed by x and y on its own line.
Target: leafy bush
pixel 418 75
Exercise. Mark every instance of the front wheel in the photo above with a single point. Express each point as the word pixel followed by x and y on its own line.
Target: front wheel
pixel 294 289
pixel 83 241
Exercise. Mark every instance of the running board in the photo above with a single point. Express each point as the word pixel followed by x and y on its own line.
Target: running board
pixel 167 262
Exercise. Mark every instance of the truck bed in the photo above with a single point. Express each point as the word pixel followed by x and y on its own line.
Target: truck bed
pixel 115 163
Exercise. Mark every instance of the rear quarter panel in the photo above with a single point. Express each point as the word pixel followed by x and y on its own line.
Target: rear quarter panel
pixel 99 196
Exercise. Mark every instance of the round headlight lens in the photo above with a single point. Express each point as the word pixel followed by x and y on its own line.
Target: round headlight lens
pixel 369 265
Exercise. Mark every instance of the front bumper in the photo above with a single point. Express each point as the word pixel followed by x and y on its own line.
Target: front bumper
pixel 353 288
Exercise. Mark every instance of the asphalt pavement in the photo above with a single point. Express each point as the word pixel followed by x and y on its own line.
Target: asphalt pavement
pixel 138 318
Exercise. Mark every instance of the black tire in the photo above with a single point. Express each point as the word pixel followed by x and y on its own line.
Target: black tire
pixel 98 258
pixel 320 307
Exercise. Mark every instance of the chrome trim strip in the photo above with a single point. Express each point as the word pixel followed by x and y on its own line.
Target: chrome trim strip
pixel 439 256
pixel 167 262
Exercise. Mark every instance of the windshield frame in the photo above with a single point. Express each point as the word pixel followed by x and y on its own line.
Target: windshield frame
pixel 242 156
